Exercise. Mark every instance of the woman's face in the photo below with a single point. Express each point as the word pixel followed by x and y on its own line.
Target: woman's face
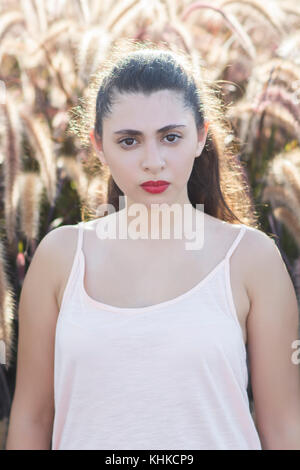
pixel 147 152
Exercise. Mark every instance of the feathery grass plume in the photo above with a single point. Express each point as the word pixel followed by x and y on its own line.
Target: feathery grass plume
pixel 172 10
pixel 58 8
pixel 274 135
pixel 278 113
pixel 270 10
pixel 242 117
pixel 30 17
pixel 289 47
pixel 10 214
pixel 238 67
pixel 56 31
pixel 59 124
pixel 241 107
pixel 7 308
pixel 99 10
pixel 12 162
pixel 64 63
pixel 19 47
pixel 294 156
pixel 240 32
pixel 278 94
pixel 101 51
pixel 95 196
pixel 155 13
pixel 84 10
pixel 218 56
pixel 74 172
pixel 290 7
pixel 281 111
pixel 283 190
pixel 31 189
pixel 274 173
pixel 119 11
pixel 292 177
pixel 8 47
pixel 283 118
pixel 290 221
pixel 178 30
pixel 56 73
pixel 39 136
pixel 284 70
pixel 281 196
pixel 57 98
pixel 28 90
pixel 8 20
pixel 231 21
pixel 40 7
pixel 92 47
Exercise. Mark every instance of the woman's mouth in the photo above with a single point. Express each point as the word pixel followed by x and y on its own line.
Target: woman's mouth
pixel 155 186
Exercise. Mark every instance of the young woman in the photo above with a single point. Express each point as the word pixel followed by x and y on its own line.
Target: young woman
pixel 140 343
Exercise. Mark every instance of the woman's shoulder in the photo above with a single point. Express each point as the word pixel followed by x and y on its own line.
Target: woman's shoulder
pixel 254 246
pixel 256 239
pixel 64 239
pixel 230 229
pixel 60 238
pixel 66 236
pixel 253 237
pixel 60 245
pixel 52 258
pixel 258 256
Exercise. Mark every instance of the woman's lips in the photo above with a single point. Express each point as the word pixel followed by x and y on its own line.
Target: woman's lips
pixel 155 187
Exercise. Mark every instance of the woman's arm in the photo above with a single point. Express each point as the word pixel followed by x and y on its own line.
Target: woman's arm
pixel 32 411
pixel 272 328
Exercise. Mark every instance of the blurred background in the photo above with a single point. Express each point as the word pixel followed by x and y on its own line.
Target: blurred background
pixel 49 49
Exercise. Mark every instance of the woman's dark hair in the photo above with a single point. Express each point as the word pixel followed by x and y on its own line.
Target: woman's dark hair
pixel 218 179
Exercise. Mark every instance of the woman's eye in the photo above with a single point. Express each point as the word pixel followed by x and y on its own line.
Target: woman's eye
pixel 131 139
pixel 173 135
pixel 124 140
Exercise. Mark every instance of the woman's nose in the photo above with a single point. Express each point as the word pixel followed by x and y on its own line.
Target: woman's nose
pixel 153 159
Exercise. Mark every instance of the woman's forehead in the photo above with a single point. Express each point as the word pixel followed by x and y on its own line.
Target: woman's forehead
pixel 160 106
pixel 168 96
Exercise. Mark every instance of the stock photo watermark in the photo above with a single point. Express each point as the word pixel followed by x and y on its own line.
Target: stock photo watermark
pixel 296 354
pixel 2 92
pixel 2 352
pixel 138 228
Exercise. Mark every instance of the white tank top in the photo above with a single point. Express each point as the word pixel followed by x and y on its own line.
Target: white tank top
pixel 170 376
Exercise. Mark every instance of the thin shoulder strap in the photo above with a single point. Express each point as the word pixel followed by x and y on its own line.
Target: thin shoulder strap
pixel 68 292
pixel 236 241
pixel 80 237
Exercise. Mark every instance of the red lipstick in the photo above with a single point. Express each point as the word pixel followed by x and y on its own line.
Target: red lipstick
pixel 155 186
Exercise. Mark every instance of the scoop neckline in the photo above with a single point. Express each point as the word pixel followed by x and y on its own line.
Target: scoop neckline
pixel 113 308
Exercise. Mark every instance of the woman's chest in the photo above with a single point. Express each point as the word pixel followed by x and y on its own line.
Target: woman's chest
pixel 142 284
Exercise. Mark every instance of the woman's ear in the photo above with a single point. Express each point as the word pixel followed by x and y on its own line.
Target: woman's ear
pixel 202 135
pixel 97 144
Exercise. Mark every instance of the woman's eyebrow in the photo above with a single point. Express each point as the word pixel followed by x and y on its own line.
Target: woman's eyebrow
pixel 162 129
